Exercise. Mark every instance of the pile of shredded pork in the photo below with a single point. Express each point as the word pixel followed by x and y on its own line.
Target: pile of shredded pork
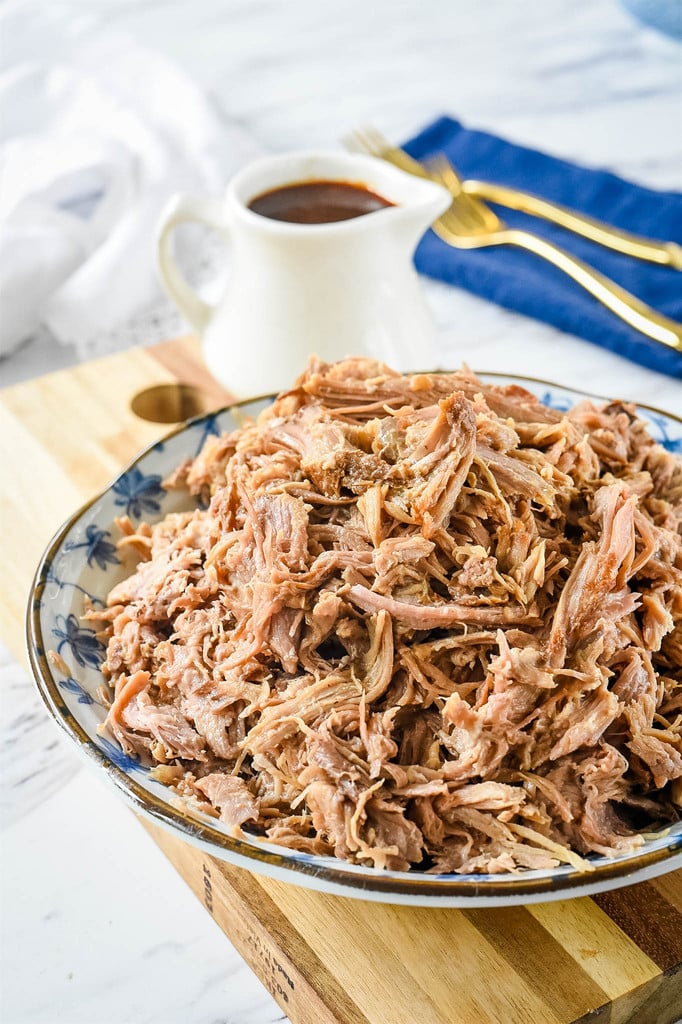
pixel 416 621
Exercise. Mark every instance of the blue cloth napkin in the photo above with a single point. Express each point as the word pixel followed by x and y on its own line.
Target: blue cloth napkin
pixel 524 282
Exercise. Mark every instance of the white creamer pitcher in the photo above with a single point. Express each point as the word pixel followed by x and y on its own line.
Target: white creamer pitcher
pixel 336 289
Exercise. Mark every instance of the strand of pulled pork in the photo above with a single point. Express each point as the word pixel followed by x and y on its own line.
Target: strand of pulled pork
pixel 421 621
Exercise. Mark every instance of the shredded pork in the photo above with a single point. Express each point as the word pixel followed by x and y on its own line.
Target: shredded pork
pixel 415 621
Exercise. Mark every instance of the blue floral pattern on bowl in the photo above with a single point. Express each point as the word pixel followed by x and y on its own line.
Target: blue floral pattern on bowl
pixel 662 434
pixel 124 761
pixel 84 564
pixel 81 641
pixel 555 401
pixel 139 493
pixel 73 686
pixel 98 547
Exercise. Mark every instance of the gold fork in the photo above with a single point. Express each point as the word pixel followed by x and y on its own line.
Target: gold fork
pixel 470 224
pixel 666 254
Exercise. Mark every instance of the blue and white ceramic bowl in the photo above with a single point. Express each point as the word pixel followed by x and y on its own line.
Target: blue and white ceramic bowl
pixel 82 560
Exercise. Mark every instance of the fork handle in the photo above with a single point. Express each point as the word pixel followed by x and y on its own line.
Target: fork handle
pixel 667 254
pixel 619 301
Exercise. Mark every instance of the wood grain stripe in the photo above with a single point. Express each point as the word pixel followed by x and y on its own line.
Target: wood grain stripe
pixel 659 1001
pixel 540 960
pixel 596 942
pixel 643 913
pixel 670 888
pixel 291 971
pixel 365 946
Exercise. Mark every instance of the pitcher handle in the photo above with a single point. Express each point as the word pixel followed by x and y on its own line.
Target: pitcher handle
pixel 182 210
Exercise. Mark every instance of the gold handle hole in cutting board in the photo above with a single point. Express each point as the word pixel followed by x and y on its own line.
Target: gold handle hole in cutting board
pixel 170 403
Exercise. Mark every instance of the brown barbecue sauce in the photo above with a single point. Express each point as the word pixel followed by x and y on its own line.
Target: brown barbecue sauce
pixel 317 202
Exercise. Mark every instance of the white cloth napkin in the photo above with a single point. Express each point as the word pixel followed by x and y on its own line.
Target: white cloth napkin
pixel 92 144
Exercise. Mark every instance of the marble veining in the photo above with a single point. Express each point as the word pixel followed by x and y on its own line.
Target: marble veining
pixel 579 78
pixel 125 943
pixel 35 762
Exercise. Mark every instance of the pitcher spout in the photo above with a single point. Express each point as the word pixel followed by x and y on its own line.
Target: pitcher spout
pixel 418 202
pixel 429 200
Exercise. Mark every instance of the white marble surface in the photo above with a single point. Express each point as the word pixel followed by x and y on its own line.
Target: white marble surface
pixel 127 942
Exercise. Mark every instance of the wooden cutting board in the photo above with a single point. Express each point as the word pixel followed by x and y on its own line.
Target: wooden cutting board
pixel 613 958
